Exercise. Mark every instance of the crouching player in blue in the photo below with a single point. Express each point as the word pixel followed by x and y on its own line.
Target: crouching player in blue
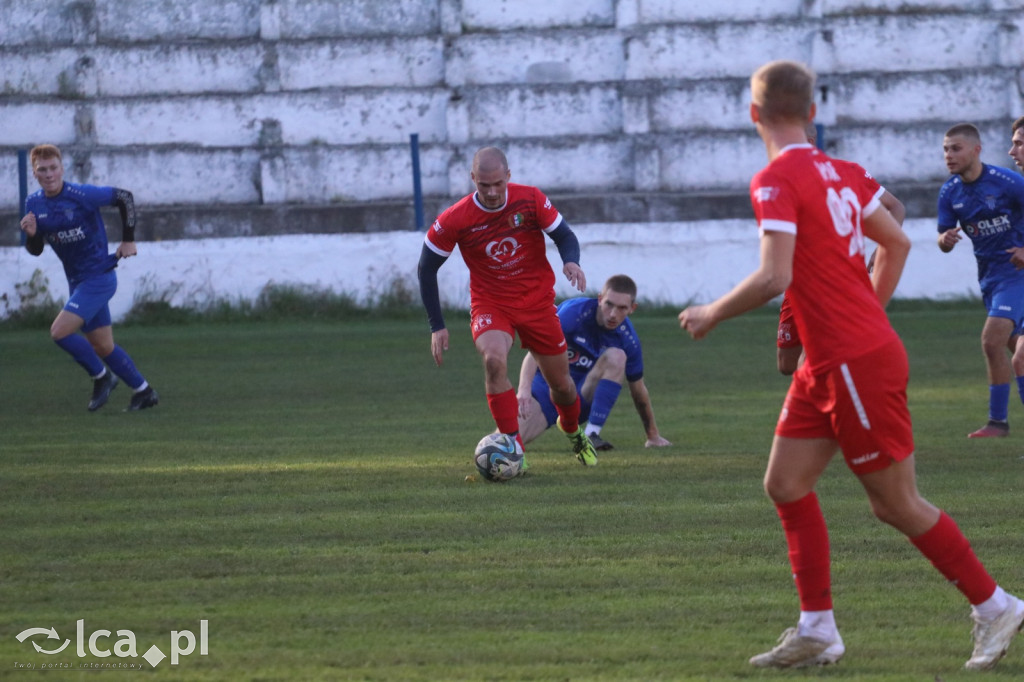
pixel 603 350
pixel 67 216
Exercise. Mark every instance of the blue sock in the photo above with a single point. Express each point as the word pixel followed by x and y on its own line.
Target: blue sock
pixel 998 402
pixel 81 350
pixel 123 367
pixel 605 395
pixel 1020 388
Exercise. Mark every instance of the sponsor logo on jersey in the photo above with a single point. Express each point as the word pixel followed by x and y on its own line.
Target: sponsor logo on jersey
pixel 478 228
pixel 989 227
pixel 71 236
pixel 765 194
pixel 503 249
pixel 437 227
pixel 547 202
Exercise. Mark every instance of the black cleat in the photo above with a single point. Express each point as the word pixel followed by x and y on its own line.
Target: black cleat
pixel 600 443
pixel 101 389
pixel 143 399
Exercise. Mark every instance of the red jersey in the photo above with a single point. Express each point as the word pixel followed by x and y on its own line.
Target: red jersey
pixel 504 249
pixel 821 201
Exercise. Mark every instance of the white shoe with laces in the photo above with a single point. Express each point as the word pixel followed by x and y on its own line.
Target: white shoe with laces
pixel 797 651
pixel 992 638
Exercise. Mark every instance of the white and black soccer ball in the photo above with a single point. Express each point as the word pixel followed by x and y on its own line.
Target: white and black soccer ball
pixel 498 457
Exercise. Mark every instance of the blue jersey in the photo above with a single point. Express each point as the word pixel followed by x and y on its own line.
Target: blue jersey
pixel 586 340
pixel 991 212
pixel 73 227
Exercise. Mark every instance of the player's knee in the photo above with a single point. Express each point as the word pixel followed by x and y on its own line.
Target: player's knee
pixel 612 364
pixel 495 366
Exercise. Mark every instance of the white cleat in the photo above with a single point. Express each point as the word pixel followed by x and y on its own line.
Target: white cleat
pixel 992 638
pixel 796 651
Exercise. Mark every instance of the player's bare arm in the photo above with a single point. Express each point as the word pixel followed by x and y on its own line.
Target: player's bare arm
pixel 524 394
pixel 949 238
pixel 768 281
pixel 642 403
pixel 893 249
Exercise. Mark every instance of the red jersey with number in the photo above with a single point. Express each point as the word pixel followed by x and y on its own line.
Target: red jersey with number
pixel 821 200
pixel 504 248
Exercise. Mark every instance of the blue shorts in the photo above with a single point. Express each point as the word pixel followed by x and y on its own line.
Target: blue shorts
pixel 90 298
pixel 542 394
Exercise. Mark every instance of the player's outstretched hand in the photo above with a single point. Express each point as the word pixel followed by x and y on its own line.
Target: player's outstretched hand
pixel 126 250
pixel 525 407
pixel 697 321
pixel 574 273
pixel 657 442
pixel 438 345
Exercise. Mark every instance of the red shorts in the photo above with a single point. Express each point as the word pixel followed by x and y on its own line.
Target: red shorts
pixel 861 404
pixel 539 330
pixel 788 336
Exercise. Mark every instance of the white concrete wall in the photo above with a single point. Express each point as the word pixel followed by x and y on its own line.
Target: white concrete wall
pixel 672 263
pixel 313 101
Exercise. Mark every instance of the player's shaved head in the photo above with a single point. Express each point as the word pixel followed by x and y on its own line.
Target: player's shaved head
pixel 621 284
pixel 783 91
pixel 967 130
pixel 489 160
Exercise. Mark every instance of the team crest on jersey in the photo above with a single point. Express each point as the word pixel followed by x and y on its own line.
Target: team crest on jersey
pixel 990 201
pixel 503 249
pixel 516 220
pixel 481 323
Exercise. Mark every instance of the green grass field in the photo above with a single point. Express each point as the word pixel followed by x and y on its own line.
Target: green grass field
pixel 301 488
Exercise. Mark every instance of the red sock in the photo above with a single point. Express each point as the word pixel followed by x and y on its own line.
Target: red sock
pixel 569 415
pixel 807 538
pixel 949 551
pixel 505 410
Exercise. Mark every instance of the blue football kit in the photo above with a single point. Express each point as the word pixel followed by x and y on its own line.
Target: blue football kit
pixel 990 211
pixel 586 341
pixel 72 225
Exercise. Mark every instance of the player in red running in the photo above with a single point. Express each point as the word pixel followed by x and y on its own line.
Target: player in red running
pixel 500 231
pixel 850 393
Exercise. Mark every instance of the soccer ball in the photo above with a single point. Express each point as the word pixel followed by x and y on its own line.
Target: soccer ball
pixel 498 457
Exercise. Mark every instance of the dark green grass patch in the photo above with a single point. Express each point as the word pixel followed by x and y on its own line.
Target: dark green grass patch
pixel 301 488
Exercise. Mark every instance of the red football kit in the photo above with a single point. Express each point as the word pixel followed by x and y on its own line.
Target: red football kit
pixel 852 385
pixel 788 335
pixel 511 284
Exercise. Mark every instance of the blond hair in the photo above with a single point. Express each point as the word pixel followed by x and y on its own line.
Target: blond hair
pixel 783 91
